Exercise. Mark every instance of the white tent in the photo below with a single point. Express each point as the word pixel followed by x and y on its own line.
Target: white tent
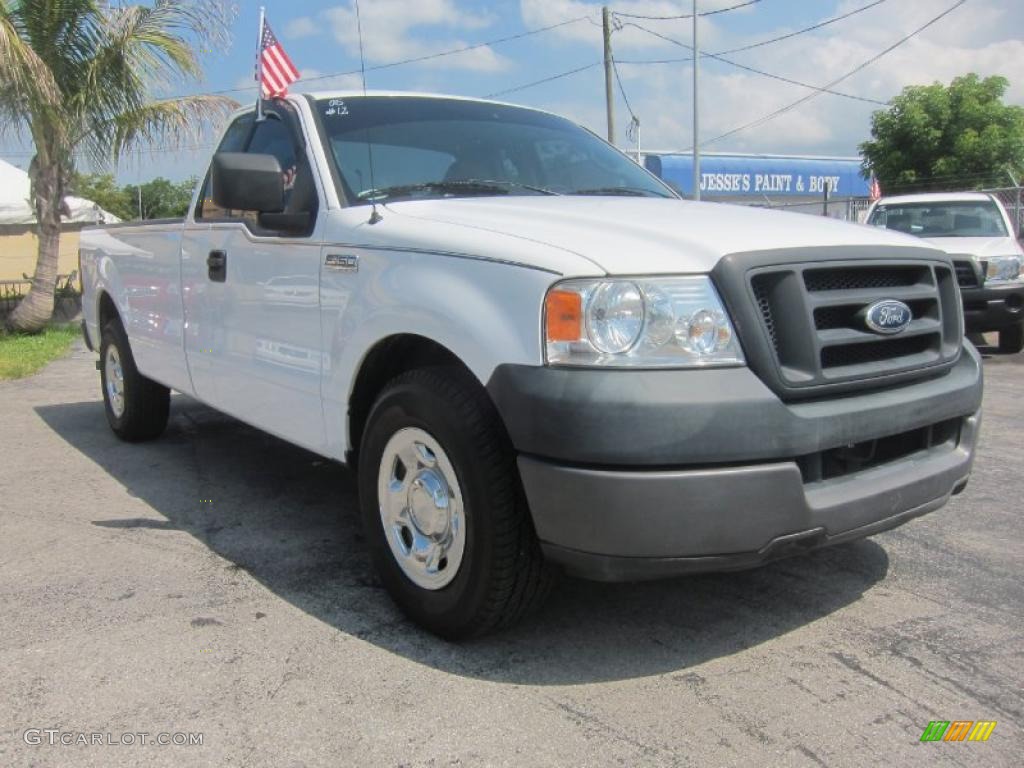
pixel 15 207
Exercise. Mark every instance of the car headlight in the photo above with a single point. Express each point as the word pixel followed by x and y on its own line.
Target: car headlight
pixel 664 322
pixel 1003 269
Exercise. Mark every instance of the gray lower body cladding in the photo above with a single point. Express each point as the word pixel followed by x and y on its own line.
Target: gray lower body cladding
pixel 643 474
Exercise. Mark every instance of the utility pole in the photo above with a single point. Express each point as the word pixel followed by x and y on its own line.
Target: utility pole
pixel 606 23
pixel 696 114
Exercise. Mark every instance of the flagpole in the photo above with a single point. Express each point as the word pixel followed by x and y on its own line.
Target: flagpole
pixel 258 75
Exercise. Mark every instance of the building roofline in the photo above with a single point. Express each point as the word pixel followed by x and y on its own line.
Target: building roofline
pixel 764 155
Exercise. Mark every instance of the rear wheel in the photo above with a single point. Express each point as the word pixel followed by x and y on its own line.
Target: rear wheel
pixel 442 506
pixel 137 407
pixel 1011 340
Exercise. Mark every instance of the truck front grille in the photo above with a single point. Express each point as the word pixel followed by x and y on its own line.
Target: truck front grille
pixel 857 457
pixel 812 322
pixel 854 279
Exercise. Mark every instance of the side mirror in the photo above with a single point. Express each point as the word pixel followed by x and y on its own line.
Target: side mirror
pixel 247 182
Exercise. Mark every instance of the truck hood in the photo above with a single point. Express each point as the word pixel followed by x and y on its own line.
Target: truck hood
pixel 978 247
pixel 637 235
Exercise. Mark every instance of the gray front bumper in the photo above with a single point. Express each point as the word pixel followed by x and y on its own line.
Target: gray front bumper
pixel 645 474
pixel 616 525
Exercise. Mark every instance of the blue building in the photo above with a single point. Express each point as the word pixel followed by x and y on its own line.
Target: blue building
pixel 778 180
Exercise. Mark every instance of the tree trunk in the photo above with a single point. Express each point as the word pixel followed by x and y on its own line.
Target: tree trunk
pixel 36 309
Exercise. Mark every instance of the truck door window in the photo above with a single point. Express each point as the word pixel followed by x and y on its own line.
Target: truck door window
pixel 234 140
pixel 271 136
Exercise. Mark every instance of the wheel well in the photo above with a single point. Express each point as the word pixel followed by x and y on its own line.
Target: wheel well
pixel 107 310
pixel 387 359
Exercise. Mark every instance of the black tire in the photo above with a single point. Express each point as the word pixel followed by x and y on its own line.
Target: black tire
pixel 1011 340
pixel 502 575
pixel 146 403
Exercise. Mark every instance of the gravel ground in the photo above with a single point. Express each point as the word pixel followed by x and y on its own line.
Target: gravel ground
pixel 214 582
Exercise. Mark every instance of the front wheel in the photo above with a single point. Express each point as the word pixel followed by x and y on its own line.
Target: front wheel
pixel 137 407
pixel 442 506
pixel 1011 340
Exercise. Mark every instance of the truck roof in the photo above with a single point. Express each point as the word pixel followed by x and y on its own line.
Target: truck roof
pixel 936 197
pixel 358 94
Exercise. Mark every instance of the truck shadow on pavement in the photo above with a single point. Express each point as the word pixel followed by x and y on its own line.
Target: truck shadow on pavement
pixel 289 519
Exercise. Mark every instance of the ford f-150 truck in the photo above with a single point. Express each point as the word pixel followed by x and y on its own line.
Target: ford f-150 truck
pixel 534 355
pixel 976 231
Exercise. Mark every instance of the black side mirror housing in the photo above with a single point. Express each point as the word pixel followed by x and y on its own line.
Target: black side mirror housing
pixel 247 182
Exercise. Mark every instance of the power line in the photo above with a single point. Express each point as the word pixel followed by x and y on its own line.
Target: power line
pixel 811 28
pixel 685 15
pixel 418 59
pixel 851 73
pixel 559 76
pixel 132 152
pixel 745 67
pixel 622 90
pixel 769 41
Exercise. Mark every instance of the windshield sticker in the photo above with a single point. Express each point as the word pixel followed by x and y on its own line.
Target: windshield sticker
pixel 336 107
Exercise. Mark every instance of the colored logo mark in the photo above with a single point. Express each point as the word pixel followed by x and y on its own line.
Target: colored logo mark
pixel 958 730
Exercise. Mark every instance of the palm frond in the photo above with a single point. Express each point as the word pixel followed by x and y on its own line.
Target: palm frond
pixel 170 123
pixel 26 82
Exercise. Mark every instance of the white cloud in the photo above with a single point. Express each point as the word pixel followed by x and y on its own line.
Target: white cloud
pixel 626 37
pixel 303 26
pixel 311 79
pixel 392 32
pixel 983 36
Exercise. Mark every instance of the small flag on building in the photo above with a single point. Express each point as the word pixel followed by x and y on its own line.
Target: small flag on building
pixel 276 71
pixel 876 190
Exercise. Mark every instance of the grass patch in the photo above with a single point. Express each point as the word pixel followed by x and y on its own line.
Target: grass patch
pixel 22 355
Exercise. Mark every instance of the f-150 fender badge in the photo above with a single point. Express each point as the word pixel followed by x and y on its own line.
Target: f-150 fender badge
pixel 343 262
pixel 888 317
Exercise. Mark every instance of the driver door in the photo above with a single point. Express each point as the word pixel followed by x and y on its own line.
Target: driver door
pixel 252 299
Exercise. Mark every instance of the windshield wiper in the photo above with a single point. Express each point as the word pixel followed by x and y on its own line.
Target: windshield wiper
pixel 469 186
pixel 618 191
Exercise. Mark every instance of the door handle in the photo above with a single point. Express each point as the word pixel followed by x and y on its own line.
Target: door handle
pixel 217 266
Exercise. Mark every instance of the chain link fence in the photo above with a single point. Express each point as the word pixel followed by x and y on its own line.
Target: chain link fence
pixel 844 208
pixel 856 208
pixel 1011 198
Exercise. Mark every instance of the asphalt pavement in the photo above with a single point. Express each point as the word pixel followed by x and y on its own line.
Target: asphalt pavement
pixel 213 585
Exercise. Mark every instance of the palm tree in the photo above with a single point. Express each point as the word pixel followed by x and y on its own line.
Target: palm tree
pixel 79 77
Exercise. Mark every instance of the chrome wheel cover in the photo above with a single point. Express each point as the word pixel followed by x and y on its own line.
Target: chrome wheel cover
pixel 114 375
pixel 421 508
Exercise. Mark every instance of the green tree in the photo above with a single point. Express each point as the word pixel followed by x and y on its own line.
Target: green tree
pixel 79 77
pixel 103 190
pixel 160 198
pixel 945 137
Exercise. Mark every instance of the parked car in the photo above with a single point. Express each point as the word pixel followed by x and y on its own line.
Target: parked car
pixel 534 354
pixel 977 232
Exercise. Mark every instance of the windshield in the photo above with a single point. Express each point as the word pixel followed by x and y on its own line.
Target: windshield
pixel 975 218
pixel 429 147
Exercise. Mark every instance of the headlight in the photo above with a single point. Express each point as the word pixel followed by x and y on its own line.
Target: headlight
pixel 1003 269
pixel 664 322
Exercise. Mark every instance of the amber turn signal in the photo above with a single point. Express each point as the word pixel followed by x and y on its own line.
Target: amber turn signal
pixel 563 316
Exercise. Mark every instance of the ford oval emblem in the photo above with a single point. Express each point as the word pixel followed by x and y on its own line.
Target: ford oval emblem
pixel 888 316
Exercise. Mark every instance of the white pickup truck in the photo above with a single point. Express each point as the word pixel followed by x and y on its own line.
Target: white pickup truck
pixel 533 353
pixel 976 230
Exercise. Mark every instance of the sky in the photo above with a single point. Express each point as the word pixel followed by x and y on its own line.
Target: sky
pixel 983 36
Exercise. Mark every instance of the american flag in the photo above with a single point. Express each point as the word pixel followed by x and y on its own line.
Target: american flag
pixel 276 71
pixel 876 189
